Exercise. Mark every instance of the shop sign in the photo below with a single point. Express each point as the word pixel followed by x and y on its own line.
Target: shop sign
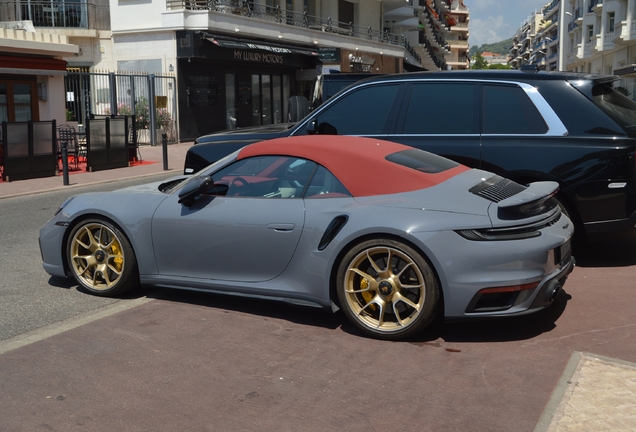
pixel 361 63
pixel 258 57
pixel 329 55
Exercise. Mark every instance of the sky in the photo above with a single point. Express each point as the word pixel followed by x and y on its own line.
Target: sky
pixel 495 20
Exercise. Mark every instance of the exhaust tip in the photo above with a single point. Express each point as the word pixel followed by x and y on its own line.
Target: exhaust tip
pixel 553 291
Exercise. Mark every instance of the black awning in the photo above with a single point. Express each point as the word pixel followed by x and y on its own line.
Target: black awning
pixel 248 44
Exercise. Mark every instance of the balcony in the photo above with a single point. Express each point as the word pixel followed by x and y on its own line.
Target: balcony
pixel 578 13
pixel 58 14
pixel 296 19
pixel 595 5
pixel 572 26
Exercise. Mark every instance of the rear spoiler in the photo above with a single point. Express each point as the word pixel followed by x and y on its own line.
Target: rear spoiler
pixel 535 199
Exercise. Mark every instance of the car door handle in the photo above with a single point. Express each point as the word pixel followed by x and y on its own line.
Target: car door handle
pixel 281 226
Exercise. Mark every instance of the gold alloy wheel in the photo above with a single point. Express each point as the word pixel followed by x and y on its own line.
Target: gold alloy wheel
pixel 385 288
pixel 96 256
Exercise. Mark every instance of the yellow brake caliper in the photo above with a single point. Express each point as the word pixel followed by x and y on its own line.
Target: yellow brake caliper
pixel 366 295
pixel 118 260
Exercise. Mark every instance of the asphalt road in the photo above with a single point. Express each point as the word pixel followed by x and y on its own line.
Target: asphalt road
pixel 29 299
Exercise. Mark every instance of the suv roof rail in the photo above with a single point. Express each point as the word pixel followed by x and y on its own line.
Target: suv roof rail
pixel 529 68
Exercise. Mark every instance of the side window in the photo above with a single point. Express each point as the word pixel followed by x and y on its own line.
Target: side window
pixel 441 108
pixel 508 110
pixel 361 112
pixel 266 177
pixel 325 185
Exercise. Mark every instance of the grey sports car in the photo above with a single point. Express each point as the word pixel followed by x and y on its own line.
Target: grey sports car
pixel 391 235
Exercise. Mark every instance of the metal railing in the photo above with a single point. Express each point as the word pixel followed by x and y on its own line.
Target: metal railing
pixel 57 14
pixel 291 18
pixel 102 94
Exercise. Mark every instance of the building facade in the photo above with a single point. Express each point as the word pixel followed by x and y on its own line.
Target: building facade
pixel 601 38
pixel 590 36
pixel 238 62
pixel 32 69
pixel 458 18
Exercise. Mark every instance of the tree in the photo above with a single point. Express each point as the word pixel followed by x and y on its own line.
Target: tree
pixel 479 62
pixel 499 66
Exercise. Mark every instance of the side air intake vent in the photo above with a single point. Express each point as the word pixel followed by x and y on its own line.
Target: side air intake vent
pixel 497 189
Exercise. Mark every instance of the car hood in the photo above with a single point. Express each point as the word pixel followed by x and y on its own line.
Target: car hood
pixel 251 133
pixel 122 205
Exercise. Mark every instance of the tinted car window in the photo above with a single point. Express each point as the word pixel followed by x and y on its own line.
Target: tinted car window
pixel 363 112
pixel 453 113
pixel 619 107
pixel 508 110
pixel 422 161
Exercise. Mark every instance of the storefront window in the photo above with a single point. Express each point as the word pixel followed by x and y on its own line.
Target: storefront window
pixel 230 101
pixel 256 99
pixel 266 88
pixel 286 96
pixel 4 114
pixel 276 99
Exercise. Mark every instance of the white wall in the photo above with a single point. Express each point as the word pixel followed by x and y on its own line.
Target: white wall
pixel 54 107
pixel 136 15
pixel 160 46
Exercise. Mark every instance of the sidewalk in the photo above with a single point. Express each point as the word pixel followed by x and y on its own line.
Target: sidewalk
pixel 595 393
pixel 176 158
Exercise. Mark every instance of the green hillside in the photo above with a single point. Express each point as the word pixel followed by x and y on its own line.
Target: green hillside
pixel 497 48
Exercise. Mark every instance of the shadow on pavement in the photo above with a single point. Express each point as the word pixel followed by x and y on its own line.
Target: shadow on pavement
pixel 497 329
pixel 268 308
pixel 485 330
pixel 620 252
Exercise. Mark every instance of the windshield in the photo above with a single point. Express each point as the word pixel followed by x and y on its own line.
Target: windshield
pixel 615 104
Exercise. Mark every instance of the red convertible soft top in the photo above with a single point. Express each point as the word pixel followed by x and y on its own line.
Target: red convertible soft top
pixel 359 163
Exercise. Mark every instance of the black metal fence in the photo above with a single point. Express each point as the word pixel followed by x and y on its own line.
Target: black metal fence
pixel 150 98
pixel 28 150
pixel 108 142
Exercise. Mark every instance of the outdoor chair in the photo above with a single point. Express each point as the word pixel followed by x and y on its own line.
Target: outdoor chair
pixel 66 134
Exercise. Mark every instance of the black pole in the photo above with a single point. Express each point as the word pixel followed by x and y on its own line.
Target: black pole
pixel 65 164
pixel 164 144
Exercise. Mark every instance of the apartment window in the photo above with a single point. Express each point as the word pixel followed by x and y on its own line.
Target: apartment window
pixel 590 33
pixel 309 6
pixel 610 22
pixel 345 12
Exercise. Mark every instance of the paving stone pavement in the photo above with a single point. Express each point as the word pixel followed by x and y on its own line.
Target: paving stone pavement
pixel 595 393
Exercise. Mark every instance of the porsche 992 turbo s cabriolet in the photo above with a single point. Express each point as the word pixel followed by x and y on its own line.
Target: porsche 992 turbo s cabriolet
pixel 392 235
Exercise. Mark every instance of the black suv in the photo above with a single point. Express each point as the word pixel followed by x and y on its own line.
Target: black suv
pixel 572 128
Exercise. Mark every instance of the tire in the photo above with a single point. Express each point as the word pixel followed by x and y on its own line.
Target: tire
pixel 387 302
pixel 101 259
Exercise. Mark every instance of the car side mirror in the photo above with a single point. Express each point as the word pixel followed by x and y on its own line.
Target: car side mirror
pixel 312 126
pixel 193 189
pixel 218 189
